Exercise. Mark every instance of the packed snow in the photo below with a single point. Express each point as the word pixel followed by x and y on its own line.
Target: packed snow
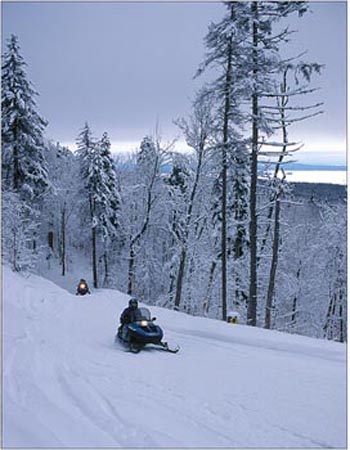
pixel 67 384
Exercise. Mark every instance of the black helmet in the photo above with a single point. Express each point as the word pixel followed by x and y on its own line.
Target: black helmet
pixel 133 303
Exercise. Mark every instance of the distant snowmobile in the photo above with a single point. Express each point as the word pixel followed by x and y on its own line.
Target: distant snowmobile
pixel 82 288
pixel 136 335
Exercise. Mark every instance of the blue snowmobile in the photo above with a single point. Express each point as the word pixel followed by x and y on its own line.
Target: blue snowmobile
pixel 141 332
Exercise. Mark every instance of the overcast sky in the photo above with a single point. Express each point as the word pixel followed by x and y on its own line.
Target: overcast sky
pixel 125 66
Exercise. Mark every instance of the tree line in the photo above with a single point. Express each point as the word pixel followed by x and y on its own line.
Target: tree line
pixel 209 231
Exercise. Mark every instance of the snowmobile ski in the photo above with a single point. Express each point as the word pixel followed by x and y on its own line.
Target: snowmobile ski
pixel 165 346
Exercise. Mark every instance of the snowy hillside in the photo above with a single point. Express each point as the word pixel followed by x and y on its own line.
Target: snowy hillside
pixel 66 383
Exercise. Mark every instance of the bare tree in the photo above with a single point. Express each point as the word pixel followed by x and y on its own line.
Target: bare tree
pixel 197 136
pixel 286 149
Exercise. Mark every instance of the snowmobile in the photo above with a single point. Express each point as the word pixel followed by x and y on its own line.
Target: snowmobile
pixel 135 336
pixel 82 288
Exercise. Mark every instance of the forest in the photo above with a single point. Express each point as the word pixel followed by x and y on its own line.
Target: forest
pixel 211 231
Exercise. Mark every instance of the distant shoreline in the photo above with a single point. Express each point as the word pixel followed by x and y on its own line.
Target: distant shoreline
pixel 317 176
pixel 314 167
pixel 335 177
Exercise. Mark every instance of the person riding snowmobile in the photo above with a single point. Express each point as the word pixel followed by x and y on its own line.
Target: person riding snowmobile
pixel 82 287
pixel 129 315
pixel 137 329
pixel 233 317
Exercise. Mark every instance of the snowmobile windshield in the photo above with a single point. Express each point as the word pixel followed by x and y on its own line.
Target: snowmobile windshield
pixel 143 314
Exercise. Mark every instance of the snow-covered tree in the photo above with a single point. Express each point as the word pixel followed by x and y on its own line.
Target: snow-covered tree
pixel 85 146
pixel 102 193
pixel 197 134
pixel 18 229
pixel 283 115
pixel 226 91
pixel 334 225
pixel 262 63
pixel 107 198
pixel 61 204
pixel 148 169
pixel 177 183
pixel 85 149
pixel 24 168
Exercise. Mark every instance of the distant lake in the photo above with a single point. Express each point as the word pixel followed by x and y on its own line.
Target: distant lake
pixel 317 176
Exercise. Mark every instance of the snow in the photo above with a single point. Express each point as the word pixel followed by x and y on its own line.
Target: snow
pixel 318 176
pixel 66 383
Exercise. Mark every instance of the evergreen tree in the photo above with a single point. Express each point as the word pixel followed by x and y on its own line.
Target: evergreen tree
pixel 85 147
pixel 24 168
pixel 177 186
pixel 102 189
pixel 85 153
pixel 107 198
pixel 148 158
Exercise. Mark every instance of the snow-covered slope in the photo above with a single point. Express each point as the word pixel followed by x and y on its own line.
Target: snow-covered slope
pixel 66 383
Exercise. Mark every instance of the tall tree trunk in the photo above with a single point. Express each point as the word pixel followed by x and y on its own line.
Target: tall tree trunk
pixel 15 169
pixel 190 283
pixel 172 268
pixel 131 269
pixel 341 320
pixel 135 240
pixel 107 277
pixel 50 238
pixel 171 288
pixel 333 317
pixel 16 174
pixel 328 316
pixel 227 108
pixel 276 231
pixel 274 263
pixel 181 271
pixel 294 310
pixel 282 103
pixel 206 302
pixel 238 243
pixel 94 243
pixel 240 296
pixel 295 299
pixel 94 258
pixel 15 252
pixel 34 243
pixel 63 233
pixel 179 280
pixel 253 225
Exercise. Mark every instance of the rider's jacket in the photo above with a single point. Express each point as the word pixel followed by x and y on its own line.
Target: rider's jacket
pixel 129 315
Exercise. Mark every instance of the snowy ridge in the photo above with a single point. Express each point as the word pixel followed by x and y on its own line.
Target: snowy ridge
pixel 67 384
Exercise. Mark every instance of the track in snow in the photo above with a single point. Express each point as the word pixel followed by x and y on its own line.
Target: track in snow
pixel 66 383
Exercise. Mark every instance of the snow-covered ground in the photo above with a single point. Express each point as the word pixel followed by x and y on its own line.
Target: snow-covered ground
pixel 67 384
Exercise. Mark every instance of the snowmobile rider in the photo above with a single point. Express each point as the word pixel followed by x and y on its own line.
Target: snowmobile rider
pixel 233 318
pixel 82 287
pixel 129 315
